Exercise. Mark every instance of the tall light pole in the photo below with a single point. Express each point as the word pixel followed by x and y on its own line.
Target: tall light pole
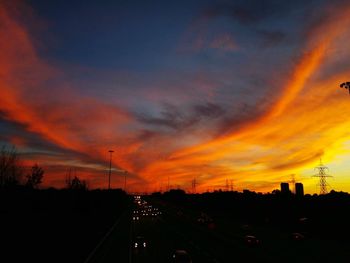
pixel 110 169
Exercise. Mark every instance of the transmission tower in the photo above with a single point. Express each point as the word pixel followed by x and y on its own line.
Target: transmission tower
pixel 194 184
pixel 322 174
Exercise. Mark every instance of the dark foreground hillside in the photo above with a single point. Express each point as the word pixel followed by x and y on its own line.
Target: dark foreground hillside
pixel 56 225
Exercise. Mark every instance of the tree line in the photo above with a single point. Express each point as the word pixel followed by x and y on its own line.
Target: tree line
pixel 13 174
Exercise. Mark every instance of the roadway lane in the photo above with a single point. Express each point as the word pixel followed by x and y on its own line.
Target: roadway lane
pixel 115 247
pixel 163 239
pixel 225 242
pixel 213 245
pixel 173 230
pixel 164 234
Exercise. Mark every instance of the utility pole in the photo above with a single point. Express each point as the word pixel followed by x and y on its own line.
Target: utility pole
pixel 194 184
pixel 168 184
pixel 125 181
pixel 110 169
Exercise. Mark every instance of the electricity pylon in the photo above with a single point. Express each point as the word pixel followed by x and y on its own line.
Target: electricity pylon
pixel 322 175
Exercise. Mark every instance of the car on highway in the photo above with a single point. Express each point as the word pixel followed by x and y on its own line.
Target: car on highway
pixel 251 240
pixel 140 242
pixel 297 236
pixel 181 256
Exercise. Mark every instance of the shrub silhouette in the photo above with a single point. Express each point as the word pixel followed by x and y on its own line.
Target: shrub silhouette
pixel 76 183
pixel 34 179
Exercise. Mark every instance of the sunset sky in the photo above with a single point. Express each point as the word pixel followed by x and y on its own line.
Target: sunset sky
pixel 246 91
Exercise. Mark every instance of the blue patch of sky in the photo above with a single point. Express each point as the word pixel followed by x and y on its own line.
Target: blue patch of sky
pixel 133 35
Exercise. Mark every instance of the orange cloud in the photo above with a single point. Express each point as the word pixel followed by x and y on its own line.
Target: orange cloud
pixel 30 97
pixel 305 121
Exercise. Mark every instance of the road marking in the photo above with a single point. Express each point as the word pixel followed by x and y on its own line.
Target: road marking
pixel 104 238
pixel 130 242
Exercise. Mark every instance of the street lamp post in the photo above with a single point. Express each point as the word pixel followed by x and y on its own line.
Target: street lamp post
pixel 346 85
pixel 110 169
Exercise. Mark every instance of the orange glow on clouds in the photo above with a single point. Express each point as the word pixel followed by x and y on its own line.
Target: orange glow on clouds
pixel 307 120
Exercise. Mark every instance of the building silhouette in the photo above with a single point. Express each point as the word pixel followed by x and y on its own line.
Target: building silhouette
pixel 299 189
pixel 285 188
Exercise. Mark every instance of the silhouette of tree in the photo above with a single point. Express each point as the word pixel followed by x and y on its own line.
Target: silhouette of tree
pixel 10 169
pixel 34 179
pixel 76 183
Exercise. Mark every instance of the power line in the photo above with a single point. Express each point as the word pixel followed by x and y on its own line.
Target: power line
pixel 322 175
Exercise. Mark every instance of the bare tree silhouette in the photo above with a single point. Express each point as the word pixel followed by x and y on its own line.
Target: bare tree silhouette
pixel 34 179
pixel 10 169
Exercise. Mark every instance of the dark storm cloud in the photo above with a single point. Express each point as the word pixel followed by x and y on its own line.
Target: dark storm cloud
pixel 33 146
pixel 254 15
pixel 16 133
pixel 170 117
pixel 271 38
pixel 208 110
pixel 241 12
pixel 250 12
pixel 240 115
pixel 176 118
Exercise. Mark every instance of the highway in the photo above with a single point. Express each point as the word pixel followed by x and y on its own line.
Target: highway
pixel 115 245
pixel 174 229
pixel 162 234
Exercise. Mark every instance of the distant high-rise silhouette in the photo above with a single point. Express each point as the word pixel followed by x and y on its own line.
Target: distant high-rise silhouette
pixel 299 189
pixel 285 188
